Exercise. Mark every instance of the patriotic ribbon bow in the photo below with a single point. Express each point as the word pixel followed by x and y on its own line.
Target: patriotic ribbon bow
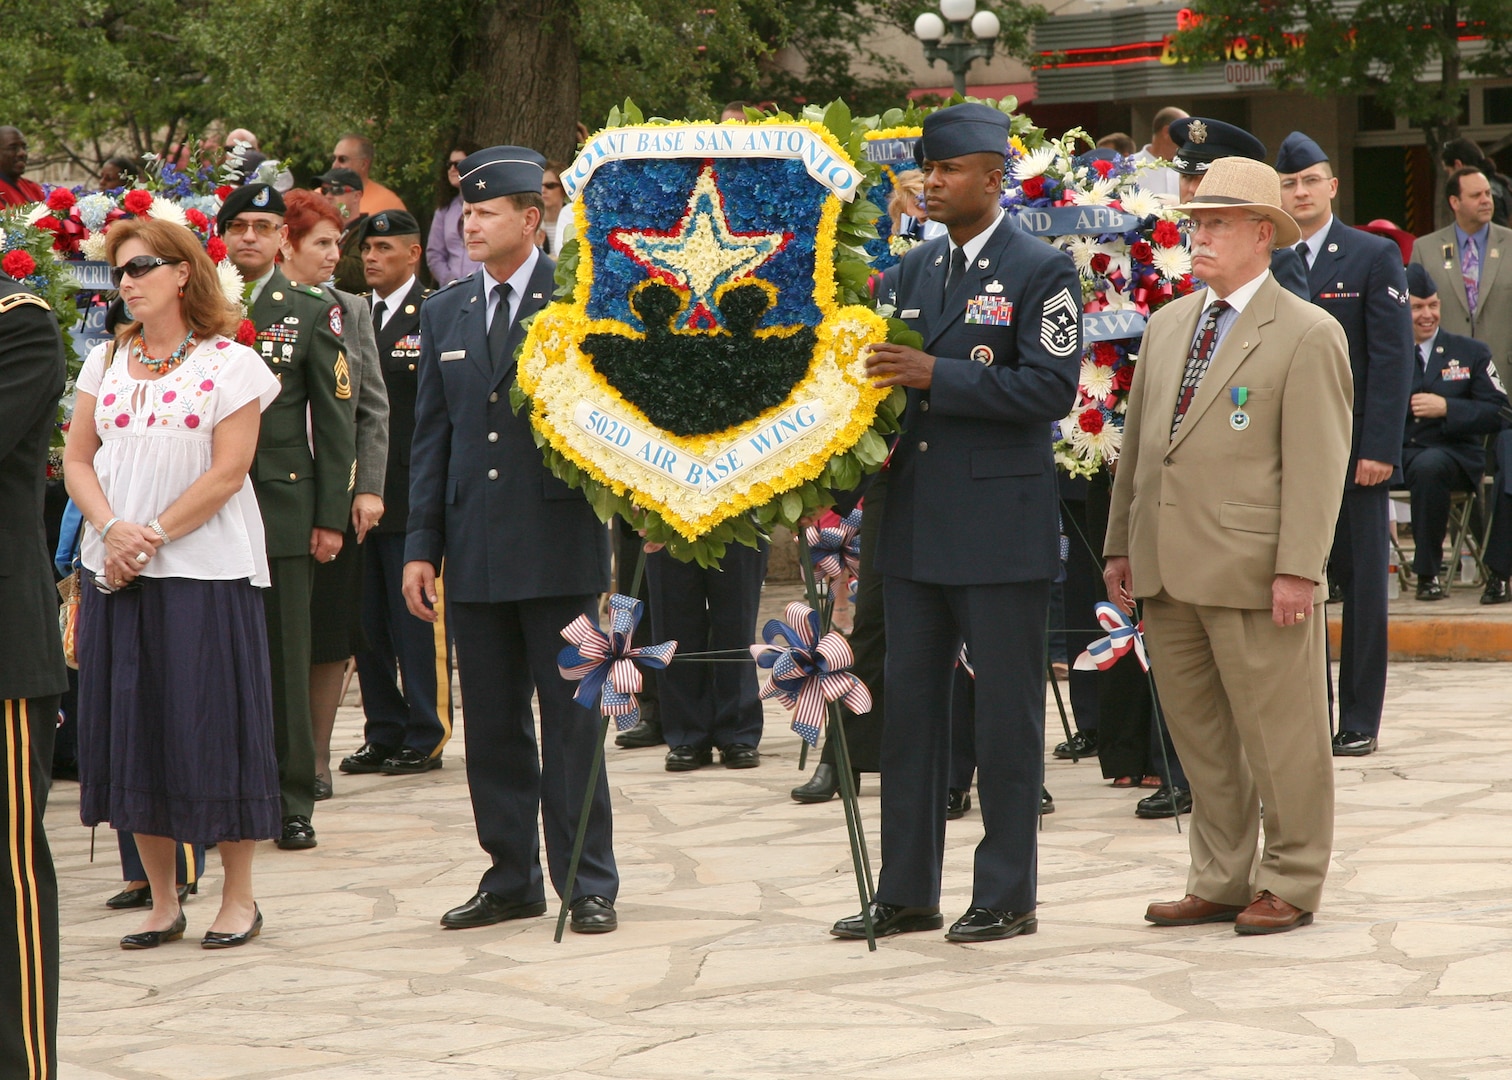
pixel 1123 635
pixel 808 671
pixel 836 550
pixel 603 665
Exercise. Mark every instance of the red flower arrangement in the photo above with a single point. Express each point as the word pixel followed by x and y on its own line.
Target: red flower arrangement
pixel 1104 354
pixel 1167 234
pixel 48 222
pixel 1141 251
pixel 1100 263
pixel 215 247
pixel 60 199
pixel 1091 421
pixel 1104 167
pixel 246 333
pixel 197 219
pixel 18 264
pixel 1034 187
pixel 1123 378
pixel 224 192
pixel 137 201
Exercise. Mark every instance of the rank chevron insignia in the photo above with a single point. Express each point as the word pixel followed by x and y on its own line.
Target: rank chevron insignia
pixel 1059 321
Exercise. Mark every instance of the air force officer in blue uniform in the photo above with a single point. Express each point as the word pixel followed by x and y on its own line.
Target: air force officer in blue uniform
pixel 1359 280
pixel 970 540
pixel 524 556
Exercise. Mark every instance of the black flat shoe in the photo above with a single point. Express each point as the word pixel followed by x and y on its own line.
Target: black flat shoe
pixel 186 891
pixel 1047 804
pixel 369 759
pixel 1430 589
pixel 593 915
pixel 151 939
pixel 739 756
pixel 215 939
pixel 823 786
pixel 984 924
pixel 1353 744
pixel 406 761
pixel 957 802
pixel 889 919
pixel 485 909
pixel 130 898
pixel 1496 593
pixel 323 789
pixel 1166 802
pixel 688 758
pixel 645 733
pixel 298 833
pixel 1082 744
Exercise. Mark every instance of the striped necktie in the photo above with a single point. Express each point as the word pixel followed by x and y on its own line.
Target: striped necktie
pixel 1197 362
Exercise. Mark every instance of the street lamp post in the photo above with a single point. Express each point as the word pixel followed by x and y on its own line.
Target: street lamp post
pixel 973 35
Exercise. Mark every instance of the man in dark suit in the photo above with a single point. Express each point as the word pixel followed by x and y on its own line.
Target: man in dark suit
pixel 1358 279
pixel 969 540
pixel 32 679
pixel 1454 405
pixel 524 554
pixel 405 669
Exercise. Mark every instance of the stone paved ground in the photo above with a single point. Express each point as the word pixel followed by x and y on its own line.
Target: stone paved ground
pixel 722 967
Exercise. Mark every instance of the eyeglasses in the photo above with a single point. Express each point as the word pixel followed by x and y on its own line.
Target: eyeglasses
pixel 455 164
pixel 551 185
pixel 335 189
pixel 106 589
pixel 139 267
pixel 261 228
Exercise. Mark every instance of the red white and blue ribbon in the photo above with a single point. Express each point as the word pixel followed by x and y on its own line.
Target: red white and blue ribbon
pixel 808 671
pixel 604 665
pixel 1122 636
pixel 836 549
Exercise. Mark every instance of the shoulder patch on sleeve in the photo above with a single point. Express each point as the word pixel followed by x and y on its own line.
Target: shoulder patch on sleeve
pixel 335 317
pixel 343 376
pixel 1060 324
pixel 24 299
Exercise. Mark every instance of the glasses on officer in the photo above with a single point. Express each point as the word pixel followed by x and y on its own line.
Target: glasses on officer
pixel 139 267
pixel 262 227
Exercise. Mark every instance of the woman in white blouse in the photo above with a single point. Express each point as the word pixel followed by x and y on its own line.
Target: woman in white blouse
pixel 175 699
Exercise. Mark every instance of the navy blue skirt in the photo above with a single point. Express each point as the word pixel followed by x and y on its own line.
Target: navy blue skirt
pixel 176 711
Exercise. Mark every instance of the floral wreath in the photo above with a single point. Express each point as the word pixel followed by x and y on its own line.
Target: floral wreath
pixel 701 372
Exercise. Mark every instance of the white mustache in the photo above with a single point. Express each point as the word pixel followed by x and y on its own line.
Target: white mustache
pixel 1199 250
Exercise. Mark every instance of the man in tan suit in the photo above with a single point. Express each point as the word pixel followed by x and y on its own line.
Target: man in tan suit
pixel 1466 258
pixel 1234 453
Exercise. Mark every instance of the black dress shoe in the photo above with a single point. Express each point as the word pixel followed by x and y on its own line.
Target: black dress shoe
pixel 298 833
pixel 130 898
pixel 1082 744
pixel 151 939
pixel 823 786
pixel 404 761
pixel 369 759
pixel 1353 744
pixel 648 732
pixel 323 789
pixel 593 915
pixel 1047 804
pixel 1166 802
pixel 216 939
pixel 1430 589
pixel 957 802
pixel 888 919
pixel 1496 592
pixel 984 924
pixel 485 909
pixel 688 758
pixel 739 756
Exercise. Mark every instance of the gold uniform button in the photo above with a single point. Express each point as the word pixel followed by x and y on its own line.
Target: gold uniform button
pixel 493 436
pixel 493 474
pixel 492 398
pixel 412 367
pixel 293 476
pixel 923 446
pixel 278 296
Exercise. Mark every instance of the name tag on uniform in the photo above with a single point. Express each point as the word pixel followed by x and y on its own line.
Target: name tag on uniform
pixel 910 313
pixel 453 354
pixel 989 311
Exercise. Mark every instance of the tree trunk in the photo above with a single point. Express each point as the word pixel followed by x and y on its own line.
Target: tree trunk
pixel 527 62
pixel 1447 126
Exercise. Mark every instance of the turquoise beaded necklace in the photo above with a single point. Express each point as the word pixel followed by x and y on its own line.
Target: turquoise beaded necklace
pixel 169 362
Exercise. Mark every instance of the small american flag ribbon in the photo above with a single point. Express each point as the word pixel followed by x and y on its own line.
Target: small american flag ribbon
pixel 836 550
pixel 603 665
pixel 1122 636
pixel 808 671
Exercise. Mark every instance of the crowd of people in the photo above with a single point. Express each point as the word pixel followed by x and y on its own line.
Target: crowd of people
pixel 352 486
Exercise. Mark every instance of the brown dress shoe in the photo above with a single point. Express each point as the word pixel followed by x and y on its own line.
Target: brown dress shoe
pixel 1191 910
pixel 1270 914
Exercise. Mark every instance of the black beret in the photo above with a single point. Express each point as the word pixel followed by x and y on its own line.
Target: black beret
pixel 345 177
pixel 1298 152
pixel 501 170
pixel 249 199
pixel 390 223
pixel 1204 141
pixel 1419 284
pixel 968 128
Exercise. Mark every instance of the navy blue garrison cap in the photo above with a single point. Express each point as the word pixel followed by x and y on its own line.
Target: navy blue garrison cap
pixel 1419 284
pixel 1297 152
pixel 500 170
pixel 1204 141
pixel 969 128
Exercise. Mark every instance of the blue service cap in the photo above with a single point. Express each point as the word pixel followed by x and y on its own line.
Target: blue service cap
pixel 969 128
pixel 1298 151
pixel 500 170
pixel 1419 284
pixel 1203 141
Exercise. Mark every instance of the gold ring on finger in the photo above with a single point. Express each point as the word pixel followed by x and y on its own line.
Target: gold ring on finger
pixel 1299 617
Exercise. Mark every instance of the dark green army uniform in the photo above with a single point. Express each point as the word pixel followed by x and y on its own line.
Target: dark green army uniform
pixel 299 337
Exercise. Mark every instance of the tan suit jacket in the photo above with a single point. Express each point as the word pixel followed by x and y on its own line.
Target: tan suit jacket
pixel 1493 307
pixel 1211 517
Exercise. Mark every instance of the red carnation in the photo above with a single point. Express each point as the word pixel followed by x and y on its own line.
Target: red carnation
pixel 246 333
pixel 60 200
pixel 215 247
pixel 1100 263
pixel 50 223
pixel 224 192
pixel 1123 378
pixel 18 264
pixel 1103 167
pixel 1167 234
pixel 197 219
pixel 1034 187
pixel 137 200
pixel 1090 421
pixel 1141 251
pixel 1104 354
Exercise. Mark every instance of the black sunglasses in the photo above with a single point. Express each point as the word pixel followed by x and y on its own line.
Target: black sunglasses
pixel 139 266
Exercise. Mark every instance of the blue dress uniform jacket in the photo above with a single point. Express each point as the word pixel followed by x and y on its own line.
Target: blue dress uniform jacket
pixel 475 469
pixel 399 358
pixel 972 488
pixel 1459 371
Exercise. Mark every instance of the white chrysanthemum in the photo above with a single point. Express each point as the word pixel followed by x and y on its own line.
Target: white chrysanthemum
pixel 1139 202
pixel 165 210
pixel 1104 445
pixel 93 210
pixel 93 247
pixel 36 213
pixel 1034 163
pixel 1081 249
pixel 1096 380
pixel 1099 194
pixel 230 281
pixel 1172 262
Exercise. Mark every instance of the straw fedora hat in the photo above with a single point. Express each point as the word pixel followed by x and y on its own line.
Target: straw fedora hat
pixel 1243 184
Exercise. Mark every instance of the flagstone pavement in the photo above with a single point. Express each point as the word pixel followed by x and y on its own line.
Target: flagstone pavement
pixel 722 966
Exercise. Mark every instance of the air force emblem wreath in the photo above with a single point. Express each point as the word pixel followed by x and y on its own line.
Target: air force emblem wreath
pixel 704 363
